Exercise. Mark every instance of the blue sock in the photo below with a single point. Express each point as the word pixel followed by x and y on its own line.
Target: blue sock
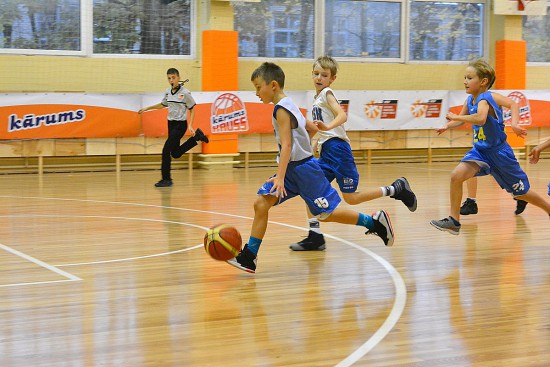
pixel 365 221
pixel 254 244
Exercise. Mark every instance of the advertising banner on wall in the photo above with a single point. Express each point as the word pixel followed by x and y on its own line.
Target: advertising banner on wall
pixel 82 115
pixel 68 115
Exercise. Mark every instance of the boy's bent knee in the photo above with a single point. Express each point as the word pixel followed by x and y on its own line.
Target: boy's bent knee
pixel 350 199
pixel 263 203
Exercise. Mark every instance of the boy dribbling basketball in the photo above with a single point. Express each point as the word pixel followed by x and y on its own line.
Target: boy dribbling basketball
pixel 298 173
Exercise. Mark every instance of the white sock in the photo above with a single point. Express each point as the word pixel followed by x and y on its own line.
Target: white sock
pixel 314 225
pixel 387 190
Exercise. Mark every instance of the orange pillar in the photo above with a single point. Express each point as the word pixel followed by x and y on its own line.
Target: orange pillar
pixel 511 61
pixel 510 67
pixel 220 52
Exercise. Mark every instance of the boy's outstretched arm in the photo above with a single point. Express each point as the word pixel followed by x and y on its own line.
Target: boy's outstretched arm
pixel 157 106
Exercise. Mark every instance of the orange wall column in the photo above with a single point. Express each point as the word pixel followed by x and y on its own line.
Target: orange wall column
pixel 511 64
pixel 220 52
pixel 511 70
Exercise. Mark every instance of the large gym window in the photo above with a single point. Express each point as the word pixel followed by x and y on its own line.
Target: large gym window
pixel 362 29
pixel 275 28
pixel 367 29
pixel 161 27
pixel 445 31
pixel 40 25
pixel 86 27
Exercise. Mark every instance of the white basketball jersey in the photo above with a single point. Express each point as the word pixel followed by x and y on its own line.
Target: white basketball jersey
pixel 301 144
pixel 321 111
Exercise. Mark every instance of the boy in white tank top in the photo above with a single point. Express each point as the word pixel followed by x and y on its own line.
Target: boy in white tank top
pixel 336 157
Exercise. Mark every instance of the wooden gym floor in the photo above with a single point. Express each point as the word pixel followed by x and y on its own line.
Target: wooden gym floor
pixel 99 269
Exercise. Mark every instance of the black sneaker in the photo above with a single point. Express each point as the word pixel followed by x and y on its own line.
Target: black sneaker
pixel 245 260
pixel 520 206
pixel 164 183
pixel 404 193
pixel 313 242
pixel 382 227
pixel 468 207
pixel 199 136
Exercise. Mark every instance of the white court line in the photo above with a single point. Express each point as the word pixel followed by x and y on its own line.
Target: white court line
pixel 133 258
pixel 399 284
pixel 35 283
pixel 110 217
pixel 394 315
pixel 39 263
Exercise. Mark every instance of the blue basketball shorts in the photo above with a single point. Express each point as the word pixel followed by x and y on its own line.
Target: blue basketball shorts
pixel 337 162
pixel 306 179
pixel 501 163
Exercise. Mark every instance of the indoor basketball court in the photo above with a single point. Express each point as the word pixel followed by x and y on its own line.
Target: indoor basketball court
pixel 100 269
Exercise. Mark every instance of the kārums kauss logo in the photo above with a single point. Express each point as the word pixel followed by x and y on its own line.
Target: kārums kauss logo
pixel 32 121
pixel 228 115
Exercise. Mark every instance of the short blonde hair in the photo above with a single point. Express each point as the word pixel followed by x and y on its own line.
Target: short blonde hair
pixel 327 62
pixel 484 70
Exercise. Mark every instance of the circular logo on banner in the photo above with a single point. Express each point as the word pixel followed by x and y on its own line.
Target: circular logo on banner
pixel 524 109
pixel 228 115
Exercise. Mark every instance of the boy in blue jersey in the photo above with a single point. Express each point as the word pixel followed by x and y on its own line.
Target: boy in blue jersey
pixel 336 157
pixel 298 173
pixel 178 100
pixel 491 154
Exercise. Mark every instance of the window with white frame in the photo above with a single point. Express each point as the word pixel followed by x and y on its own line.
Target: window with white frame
pixel 143 27
pixel 362 29
pixel 152 27
pixel 370 29
pixel 40 25
pixel 275 28
pixel 445 31
pixel 366 29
